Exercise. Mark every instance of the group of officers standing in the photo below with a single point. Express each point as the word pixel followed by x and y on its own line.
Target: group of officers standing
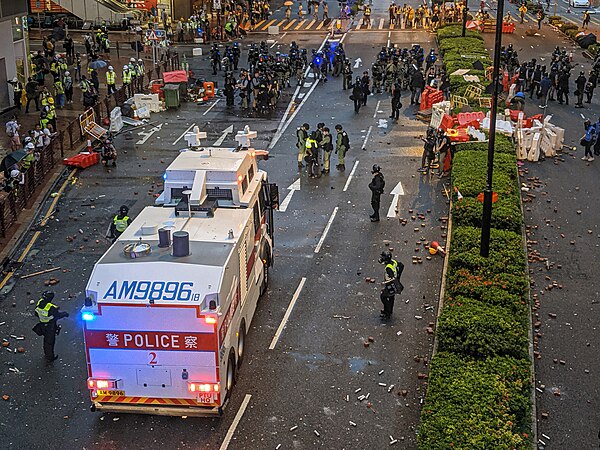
pixel 312 144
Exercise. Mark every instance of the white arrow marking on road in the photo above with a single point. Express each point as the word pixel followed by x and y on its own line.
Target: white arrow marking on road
pixel 357 63
pixel 295 186
pixel 147 134
pixel 396 192
pixel 219 141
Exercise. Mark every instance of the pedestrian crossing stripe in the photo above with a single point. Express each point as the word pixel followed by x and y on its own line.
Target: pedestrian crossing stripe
pixel 359 24
pixel 268 24
pixel 259 24
pixel 321 25
pixel 281 23
pixel 300 25
pixel 310 24
pixel 381 23
pixel 290 24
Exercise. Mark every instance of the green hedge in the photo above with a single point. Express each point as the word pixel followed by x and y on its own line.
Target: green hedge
pixel 476 404
pixel 478 394
pixel 475 329
pixel 455 31
pixel 506 252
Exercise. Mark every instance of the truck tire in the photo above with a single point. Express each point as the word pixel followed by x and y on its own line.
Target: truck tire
pixel 230 374
pixel 241 347
pixel 265 281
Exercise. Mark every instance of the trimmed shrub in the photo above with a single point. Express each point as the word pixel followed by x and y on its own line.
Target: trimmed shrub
pixel 506 252
pixel 455 31
pixel 469 173
pixel 506 214
pixel 471 328
pixel 501 289
pixel 476 404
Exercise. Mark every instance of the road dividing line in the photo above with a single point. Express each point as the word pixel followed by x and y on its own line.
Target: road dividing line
pixel 389 38
pixel 300 25
pixel 235 423
pixel 289 24
pixel 183 134
pixel 326 230
pixel 350 176
pixel 364 146
pixel 381 21
pixel 211 107
pixel 288 311
pixel 376 109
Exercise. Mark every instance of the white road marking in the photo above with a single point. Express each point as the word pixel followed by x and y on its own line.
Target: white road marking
pixel 280 132
pixel 235 423
pixel 359 24
pixel 364 146
pixel 211 107
pixel 226 131
pixel 282 36
pixel 326 230
pixel 357 63
pixel 295 186
pixel 396 192
pixel 381 21
pixel 288 311
pixel 183 134
pixel 148 134
pixel 350 176
pixel 389 36
pixel 376 109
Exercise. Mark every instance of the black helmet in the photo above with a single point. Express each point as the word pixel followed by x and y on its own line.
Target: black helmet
pixel 385 257
pixel 305 125
pixel 48 296
pixel 123 209
pixel 375 168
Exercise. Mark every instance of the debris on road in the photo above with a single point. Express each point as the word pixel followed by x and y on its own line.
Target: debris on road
pixel 39 273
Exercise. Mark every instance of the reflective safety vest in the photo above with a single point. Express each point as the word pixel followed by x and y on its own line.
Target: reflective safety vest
pixel 51 112
pixel 110 77
pixel 121 224
pixel 394 266
pixel 58 87
pixel 126 77
pixel 44 313
pixel 85 85
pixel 367 11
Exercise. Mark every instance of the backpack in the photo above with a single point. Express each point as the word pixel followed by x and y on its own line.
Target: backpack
pixel 345 140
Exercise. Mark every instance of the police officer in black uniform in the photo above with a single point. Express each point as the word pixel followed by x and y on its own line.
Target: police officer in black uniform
pixel 48 313
pixel 391 284
pixel 376 185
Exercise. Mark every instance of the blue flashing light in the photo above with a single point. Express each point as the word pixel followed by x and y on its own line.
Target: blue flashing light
pixel 88 316
pixel 165 176
pixel 318 61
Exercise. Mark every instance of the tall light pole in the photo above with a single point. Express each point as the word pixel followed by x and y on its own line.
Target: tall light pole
pixel 486 222
pixel 464 18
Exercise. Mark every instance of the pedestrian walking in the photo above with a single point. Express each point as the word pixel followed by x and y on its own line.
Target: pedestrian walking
pixel 417 83
pixel 48 314
pixel 347 75
pixel 588 140
pixel 111 80
pixel 365 82
pixel 580 83
pixel 396 103
pixel 327 147
pixel 119 223
pixel 597 144
pixel 586 19
pixel 31 91
pixel 357 95
pixel 522 11
pixel 17 92
pixel 377 185
pixel 591 85
pixel 68 86
pixel 301 135
pixel 540 17
pixel 12 130
pixel 342 145
pixel 391 284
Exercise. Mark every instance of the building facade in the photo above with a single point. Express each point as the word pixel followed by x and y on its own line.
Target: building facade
pixel 13 48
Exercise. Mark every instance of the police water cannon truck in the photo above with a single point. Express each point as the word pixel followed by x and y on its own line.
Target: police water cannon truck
pixel 168 306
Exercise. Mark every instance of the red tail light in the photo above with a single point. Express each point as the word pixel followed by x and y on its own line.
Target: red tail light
pixel 194 386
pixel 99 383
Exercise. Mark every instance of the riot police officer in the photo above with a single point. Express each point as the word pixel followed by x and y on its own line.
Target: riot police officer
pixel 48 313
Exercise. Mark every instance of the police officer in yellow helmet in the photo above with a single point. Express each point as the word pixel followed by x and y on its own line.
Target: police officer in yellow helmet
pixel 120 222
pixel 48 313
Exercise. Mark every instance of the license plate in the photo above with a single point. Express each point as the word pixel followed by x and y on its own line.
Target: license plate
pixel 119 393
pixel 206 398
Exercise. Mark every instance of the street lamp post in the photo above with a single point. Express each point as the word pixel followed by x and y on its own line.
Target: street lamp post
pixel 486 223
pixel 464 18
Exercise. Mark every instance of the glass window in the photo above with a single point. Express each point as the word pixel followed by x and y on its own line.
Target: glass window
pixel 17 29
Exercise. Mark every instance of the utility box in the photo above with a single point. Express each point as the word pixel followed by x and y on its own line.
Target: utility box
pixel 171 95
pixel 273 30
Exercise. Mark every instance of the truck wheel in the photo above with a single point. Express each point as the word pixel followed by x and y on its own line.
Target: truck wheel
pixel 230 376
pixel 241 347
